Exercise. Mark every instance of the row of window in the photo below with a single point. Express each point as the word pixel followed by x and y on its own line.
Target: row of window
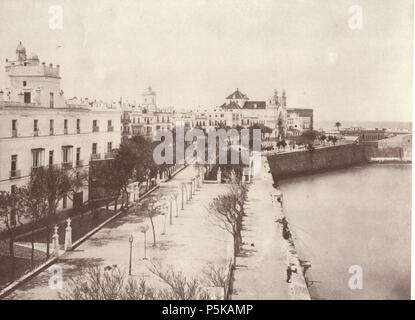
pixel 27 97
pixel 95 127
pixel 38 158
pixel 148 120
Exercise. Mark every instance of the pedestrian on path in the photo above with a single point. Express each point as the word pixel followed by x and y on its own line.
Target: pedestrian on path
pixel 290 270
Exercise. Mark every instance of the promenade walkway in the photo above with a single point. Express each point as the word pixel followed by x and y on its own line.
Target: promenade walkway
pixel 261 268
pixel 190 243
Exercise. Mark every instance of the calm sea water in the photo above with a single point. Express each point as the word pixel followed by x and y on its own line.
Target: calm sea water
pixel 357 216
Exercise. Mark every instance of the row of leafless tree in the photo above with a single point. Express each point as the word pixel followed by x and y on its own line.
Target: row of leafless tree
pixel 110 283
pixel 38 201
pixel 227 210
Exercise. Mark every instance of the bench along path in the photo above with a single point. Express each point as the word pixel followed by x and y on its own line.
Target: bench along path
pixel 189 244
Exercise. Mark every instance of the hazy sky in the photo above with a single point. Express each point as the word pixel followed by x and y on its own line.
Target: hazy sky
pixel 196 52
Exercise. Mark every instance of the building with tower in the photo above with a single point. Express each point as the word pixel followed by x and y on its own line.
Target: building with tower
pixel 149 100
pixel 145 118
pixel 40 127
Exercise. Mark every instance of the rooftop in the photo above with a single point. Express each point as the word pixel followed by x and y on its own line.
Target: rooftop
pixel 237 95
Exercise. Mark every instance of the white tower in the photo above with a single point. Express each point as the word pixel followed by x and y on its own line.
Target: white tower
pixel 21 53
pixel 149 100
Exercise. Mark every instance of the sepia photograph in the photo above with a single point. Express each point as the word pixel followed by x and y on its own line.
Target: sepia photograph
pixel 236 150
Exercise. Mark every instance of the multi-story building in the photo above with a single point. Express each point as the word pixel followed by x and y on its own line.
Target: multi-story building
pixel 39 127
pixel 272 113
pixel 237 110
pixel 146 118
pixel 299 120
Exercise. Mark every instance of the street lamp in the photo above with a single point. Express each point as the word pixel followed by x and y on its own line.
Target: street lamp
pixel 130 239
pixel 164 226
pixel 144 230
pixel 175 196
pixel 171 206
pixel 182 195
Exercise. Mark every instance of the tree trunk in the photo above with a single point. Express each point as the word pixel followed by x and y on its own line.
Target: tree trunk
pixel 13 259
pixel 32 255
pixel 47 241
pixel 154 231
pixel 235 247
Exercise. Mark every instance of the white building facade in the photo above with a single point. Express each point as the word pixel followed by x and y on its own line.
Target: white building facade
pixel 39 127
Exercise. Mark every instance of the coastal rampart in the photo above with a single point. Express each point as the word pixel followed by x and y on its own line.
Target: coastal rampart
pixel 291 164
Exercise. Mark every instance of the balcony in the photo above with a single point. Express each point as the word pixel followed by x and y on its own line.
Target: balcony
pixel 15 174
pixel 14 133
pixel 36 132
pixel 95 129
pixel 95 156
pixel 109 155
pixel 79 163
pixel 111 129
pixel 67 165
pixel 35 169
pixel 65 131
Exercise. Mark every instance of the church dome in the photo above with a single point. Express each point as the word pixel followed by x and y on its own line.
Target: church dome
pixel 33 56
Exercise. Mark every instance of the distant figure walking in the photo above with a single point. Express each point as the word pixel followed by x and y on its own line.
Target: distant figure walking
pixel 279 199
pixel 286 234
pixel 290 270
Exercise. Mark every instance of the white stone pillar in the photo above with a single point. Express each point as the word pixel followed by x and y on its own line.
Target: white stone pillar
pixel 219 176
pixel 68 235
pixel 55 242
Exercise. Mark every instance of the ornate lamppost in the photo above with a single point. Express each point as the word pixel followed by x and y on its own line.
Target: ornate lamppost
pixel 144 230
pixel 130 239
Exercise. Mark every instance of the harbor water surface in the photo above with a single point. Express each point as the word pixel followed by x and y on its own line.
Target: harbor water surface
pixel 357 216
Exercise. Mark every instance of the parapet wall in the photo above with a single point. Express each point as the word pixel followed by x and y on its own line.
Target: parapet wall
pixel 291 164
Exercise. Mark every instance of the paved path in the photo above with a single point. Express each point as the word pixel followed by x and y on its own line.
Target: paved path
pixel 190 244
pixel 261 268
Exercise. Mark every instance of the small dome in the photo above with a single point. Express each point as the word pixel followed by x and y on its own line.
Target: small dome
pixel 33 56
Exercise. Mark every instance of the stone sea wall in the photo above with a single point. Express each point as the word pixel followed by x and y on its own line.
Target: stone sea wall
pixel 297 286
pixel 291 164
